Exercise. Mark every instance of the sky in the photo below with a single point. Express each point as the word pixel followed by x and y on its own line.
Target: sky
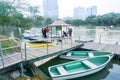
pixel 66 6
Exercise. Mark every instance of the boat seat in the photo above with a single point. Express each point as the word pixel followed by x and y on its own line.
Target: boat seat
pixel 61 70
pixel 90 55
pixel 89 64
pixel 72 66
pixel 69 54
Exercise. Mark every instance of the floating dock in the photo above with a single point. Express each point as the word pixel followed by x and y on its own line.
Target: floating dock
pixel 103 47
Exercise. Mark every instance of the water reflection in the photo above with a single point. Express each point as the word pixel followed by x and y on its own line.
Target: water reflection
pixel 114 71
pixel 110 71
pixel 109 36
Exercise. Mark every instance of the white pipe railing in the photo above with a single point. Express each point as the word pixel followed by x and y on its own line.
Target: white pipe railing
pixel 60 45
pixel 4 57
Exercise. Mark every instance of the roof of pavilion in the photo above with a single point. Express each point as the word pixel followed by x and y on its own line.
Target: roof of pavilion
pixel 59 23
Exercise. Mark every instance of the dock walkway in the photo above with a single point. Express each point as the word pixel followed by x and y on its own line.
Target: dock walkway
pixel 66 44
pixel 35 54
pixel 102 47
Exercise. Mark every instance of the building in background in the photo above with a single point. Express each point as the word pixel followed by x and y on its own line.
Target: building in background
pixel 79 13
pixel 50 9
pixel 91 11
pixel 82 13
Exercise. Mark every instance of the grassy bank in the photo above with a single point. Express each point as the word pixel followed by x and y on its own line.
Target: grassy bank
pixel 6 44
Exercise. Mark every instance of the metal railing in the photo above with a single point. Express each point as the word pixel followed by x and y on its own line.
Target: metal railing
pixel 80 35
pixel 10 56
pixel 59 44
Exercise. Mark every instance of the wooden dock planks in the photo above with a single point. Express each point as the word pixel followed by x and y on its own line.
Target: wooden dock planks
pixel 102 47
pixel 33 53
pixel 37 52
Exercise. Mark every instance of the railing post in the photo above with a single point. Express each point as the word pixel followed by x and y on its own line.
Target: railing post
pixel 61 44
pixel 71 42
pixel 20 48
pixel 78 38
pixel 1 54
pixel 100 38
pixel 25 52
pixel 22 70
pixel 47 47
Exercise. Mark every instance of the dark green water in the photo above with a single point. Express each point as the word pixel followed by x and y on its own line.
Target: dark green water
pixel 110 72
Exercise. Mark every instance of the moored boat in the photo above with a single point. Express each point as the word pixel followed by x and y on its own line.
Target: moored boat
pixel 39 45
pixel 32 33
pixel 78 68
pixel 74 55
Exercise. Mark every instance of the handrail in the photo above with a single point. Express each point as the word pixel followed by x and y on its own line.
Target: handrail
pixel 6 48
pixel 9 48
pixel 60 45
pixel 1 54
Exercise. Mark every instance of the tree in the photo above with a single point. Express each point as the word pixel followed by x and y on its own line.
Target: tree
pixel 76 22
pixel 39 21
pixel 68 21
pixel 5 12
pixel 48 21
pixel 6 9
pixel 34 11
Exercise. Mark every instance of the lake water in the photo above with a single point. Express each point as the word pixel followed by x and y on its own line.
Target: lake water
pixel 110 72
pixel 110 36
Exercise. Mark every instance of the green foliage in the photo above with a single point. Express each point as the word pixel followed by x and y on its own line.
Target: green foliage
pixel 75 22
pixel 48 21
pixel 34 11
pixel 6 44
pixel 5 11
pixel 5 8
pixel 92 20
pixel 68 21
pixel 39 21
pixel 9 16
pixel 26 22
pixel 103 20
pixel 4 20
pixel 18 15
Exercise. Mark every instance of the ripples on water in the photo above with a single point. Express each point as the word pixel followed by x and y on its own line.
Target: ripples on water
pixel 110 72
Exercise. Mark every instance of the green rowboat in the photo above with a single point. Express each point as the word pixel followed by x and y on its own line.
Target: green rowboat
pixel 74 55
pixel 78 68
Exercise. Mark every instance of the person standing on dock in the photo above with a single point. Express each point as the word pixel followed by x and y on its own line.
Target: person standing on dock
pixel 70 32
pixel 42 32
pixel 47 31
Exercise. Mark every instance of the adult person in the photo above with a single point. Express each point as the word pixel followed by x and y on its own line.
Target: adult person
pixel 43 32
pixel 70 32
pixel 47 31
pixel 64 34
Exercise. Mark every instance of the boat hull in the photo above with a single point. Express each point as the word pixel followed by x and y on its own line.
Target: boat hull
pixel 76 75
pixel 83 57
pixel 78 68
